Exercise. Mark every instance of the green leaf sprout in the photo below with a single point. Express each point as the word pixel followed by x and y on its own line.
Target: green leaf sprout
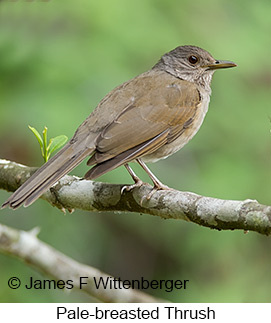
pixel 54 143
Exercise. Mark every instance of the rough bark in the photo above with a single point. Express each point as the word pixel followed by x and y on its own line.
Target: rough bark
pixel 74 193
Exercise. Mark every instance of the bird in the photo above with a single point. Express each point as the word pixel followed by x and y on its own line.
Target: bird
pixel 145 119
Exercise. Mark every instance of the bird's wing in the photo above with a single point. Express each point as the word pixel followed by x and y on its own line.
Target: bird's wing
pixel 156 115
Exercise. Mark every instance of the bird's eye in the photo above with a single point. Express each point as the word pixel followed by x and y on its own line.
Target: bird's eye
pixel 193 59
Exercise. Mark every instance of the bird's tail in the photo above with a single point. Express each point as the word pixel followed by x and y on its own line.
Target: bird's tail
pixel 58 166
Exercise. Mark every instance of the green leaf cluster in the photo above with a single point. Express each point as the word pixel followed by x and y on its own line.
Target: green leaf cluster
pixel 54 143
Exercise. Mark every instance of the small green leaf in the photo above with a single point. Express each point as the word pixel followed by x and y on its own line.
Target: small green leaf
pixel 38 136
pixel 56 143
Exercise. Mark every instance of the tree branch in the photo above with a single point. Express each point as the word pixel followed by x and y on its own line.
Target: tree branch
pixel 27 247
pixel 72 193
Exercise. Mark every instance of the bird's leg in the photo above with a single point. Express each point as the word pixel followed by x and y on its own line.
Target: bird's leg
pixel 132 173
pixel 157 184
pixel 137 180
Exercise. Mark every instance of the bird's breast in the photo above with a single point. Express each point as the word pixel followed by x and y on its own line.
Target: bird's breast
pixel 185 136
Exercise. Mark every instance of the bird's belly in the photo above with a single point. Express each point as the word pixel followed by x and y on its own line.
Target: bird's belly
pixel 171 148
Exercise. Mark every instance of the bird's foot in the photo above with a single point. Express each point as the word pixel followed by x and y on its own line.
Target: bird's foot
pixel 129 188
pixel 138 182
pixel 148 196
pixel 157 187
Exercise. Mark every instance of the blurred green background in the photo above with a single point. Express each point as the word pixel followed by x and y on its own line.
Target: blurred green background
pixel 58 59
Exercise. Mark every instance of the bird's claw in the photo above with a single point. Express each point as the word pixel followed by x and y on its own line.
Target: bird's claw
pixel 160 187
pixel 129 188
pixel 139 183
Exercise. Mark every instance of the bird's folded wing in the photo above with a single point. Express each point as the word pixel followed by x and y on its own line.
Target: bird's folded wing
pixel 169 110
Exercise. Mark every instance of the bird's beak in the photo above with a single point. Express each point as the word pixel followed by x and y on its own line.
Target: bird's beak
pixel 220 64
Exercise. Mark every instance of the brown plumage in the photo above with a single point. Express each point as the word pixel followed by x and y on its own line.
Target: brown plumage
pixel 147 118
